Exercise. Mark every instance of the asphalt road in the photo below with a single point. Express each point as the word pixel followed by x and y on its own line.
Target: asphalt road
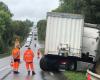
pixel 40 75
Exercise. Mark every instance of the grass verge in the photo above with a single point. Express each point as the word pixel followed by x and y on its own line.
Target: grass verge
pixel 71 75
pixel 42 51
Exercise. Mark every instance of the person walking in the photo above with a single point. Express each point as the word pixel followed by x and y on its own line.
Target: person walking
pixel 28 58
pixel 16 59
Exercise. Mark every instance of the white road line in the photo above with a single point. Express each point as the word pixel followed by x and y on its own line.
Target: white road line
pixel 52 74
pixel 6 67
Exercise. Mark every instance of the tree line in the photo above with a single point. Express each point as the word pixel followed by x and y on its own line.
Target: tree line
pixel 41 26
pixel 89 8
pixel 10 29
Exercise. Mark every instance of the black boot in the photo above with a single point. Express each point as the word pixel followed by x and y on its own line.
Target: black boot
pixel 28 72
pixel 15 72
pixel 33 72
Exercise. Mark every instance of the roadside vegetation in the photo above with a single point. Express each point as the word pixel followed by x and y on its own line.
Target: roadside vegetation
pixel 71 75
pixel 7 53
pixel 10 29
pixel 41 26
pixel 90 9
pixel 42 51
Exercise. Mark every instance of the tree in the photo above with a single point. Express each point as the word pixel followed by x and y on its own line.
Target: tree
pixel 19 28
pixel 5 17
pixel 89 8
pixel 4 8
pixel 41 25
pixel 69 6
pixel 9 28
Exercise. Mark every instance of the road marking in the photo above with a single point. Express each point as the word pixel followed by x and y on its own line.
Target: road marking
pixel 51 73
pixel 6 75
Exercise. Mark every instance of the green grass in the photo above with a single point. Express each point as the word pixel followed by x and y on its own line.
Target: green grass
pixel 70 75
pixel 42 51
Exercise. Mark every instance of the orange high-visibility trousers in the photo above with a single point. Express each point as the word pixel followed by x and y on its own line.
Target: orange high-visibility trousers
pixel 29 65
pixel 16 57
pixel 16 66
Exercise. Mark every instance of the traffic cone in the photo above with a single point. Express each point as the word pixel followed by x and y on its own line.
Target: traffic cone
pixel 88 77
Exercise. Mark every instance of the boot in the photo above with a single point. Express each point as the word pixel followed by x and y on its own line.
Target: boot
pixel 33 72
pixel 15 72
pixel 28 72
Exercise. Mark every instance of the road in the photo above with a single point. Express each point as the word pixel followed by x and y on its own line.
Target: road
pixel 40 75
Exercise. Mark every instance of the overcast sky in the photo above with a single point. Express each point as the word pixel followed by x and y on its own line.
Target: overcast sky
pixel 31 9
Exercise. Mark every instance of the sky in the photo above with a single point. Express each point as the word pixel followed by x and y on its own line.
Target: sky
pixel 33 10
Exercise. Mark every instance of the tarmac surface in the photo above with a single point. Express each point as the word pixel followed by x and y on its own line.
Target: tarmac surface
pixel 6 72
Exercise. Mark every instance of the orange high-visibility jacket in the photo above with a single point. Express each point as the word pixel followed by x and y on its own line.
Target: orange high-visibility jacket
pixel 28 56
pixel 16 53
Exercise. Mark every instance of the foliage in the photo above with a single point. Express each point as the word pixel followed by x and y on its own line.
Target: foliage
pixel 42 51
pixel 41 25
pixel 89 8
pixel 5 18
pixel 10 28
pixel 21 28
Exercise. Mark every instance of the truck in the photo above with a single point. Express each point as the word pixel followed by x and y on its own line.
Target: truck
pixel 94 73
pixel 67 45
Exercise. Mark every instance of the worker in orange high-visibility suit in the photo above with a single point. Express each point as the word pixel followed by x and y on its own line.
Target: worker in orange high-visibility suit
pixel 16 59
pixel 28 58
pixel 38 53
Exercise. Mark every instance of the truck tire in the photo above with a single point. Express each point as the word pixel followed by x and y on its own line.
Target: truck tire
pixel 66 67
pixel 72 66
pixel 43 64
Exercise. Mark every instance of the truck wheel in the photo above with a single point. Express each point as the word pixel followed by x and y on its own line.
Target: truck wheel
pixel 72 66
pixel 66 67
pixel 43 65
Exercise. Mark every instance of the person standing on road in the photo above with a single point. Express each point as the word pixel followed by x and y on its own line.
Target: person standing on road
pixel 35 45
pixel 28 58
pixel 16 59
pixel 38 53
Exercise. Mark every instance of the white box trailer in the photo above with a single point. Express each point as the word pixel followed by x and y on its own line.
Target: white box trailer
pixel 64 28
